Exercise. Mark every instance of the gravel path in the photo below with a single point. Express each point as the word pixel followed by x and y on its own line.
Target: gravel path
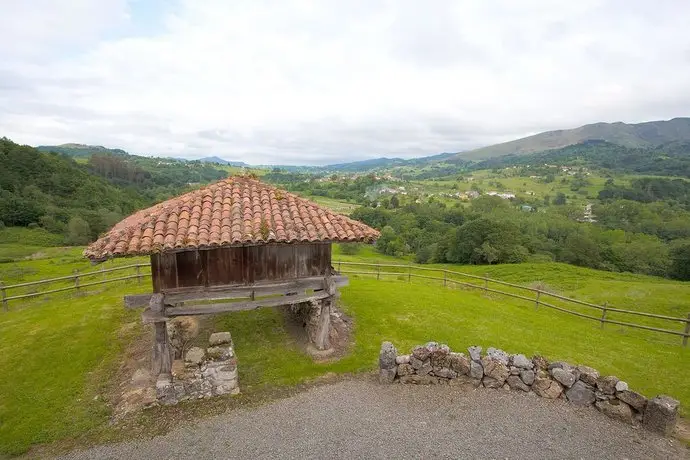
pixel 361 419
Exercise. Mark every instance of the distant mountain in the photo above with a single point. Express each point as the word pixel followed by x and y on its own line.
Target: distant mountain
pixel 639 135
pixel 386 163
pixel 79 150
pixel 220 161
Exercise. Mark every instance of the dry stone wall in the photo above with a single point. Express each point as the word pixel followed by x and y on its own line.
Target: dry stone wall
pixel 203 374
pixel 435 363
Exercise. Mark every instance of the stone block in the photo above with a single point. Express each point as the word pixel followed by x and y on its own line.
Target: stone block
pixel 416 363
pixel 220 353
pixel 402 359
pixel 580 394
pixel 521 361
pixel 425 369
pixel 220 338
pixel 527 376
pixel 564 376
pixel 516 383
pixel 421 353
pixel 490 382
pixel 459 363
pixel 405 369
pixel 661 415
pixel 588 375
pixel 607 384
pixel 476 370
pixel 498 355
pixel 546 387
pixel 387 356
pixel 616 409
pixel 194 356
pixel 634 399
pixel 387 375
pixel 495 369
pixel 445 373
pixel 475 353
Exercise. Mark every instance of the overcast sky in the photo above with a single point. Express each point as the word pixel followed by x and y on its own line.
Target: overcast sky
pixel 315 82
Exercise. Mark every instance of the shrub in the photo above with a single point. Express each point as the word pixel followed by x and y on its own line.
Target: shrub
pixel 78 232
pixel 350 248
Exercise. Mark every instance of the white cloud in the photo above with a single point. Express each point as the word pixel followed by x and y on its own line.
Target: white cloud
pixel 317 81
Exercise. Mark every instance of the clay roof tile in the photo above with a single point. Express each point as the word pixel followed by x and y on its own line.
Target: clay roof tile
pixel 236 211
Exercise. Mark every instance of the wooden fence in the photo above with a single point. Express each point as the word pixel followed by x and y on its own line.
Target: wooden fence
pixel 449 277
pixel 539 297
pixel 72 282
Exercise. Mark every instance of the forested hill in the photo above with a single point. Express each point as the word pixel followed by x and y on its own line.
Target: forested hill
pixel 672 159
pixel 80 201
pixel 51 190
pixel 79 150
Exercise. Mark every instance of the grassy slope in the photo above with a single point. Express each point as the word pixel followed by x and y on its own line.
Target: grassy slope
pixel 55 356
pixel 58 350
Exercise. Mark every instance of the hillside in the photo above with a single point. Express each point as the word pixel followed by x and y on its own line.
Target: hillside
pixel 79 200
pixel 54 191
pixel 220 161
pixel 648 134
pixel 79 150
pixel 671 159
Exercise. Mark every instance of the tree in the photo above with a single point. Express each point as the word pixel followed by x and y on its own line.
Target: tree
pixel 680 261
pixel 394 203
pixel 487 203
pixel 78 232
pixel 560 199
pixel 486 240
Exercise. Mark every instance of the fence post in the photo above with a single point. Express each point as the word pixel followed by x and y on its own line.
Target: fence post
pixel 339 264
pixel 409 273
pixel 4 297
pixel 76 279
pixel 536 302
pixel 444 278
pixel 138 274
pixel 378 272
pixel 486 282
pixel 687 332
pixel 603 314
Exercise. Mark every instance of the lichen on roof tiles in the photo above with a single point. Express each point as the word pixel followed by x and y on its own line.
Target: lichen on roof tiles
pixel 236 211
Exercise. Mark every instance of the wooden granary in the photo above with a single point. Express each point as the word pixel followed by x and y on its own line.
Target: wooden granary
pixel 237 244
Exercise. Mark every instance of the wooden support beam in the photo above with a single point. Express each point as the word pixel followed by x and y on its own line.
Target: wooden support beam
pixel 323 332
pixel 150 316
pixel 178 295
pixel 162 355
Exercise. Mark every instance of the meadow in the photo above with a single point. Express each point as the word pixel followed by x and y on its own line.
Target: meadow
pixel 61 351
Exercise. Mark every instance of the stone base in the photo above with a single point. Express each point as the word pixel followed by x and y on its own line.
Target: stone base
pixel 204 374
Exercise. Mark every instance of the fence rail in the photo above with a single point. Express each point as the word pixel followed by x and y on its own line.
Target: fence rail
pixel 400 270
pixel 538 299
pixel 76 280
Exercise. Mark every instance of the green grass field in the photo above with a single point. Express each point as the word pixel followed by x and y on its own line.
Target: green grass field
pixel 58 353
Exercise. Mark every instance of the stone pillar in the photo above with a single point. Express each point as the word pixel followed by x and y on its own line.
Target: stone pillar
pixel 661 415
pixel 387 366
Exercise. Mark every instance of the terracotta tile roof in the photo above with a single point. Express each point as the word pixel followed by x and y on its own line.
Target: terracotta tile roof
pixel 237 211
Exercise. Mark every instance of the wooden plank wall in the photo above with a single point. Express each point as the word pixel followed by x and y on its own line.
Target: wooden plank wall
pixel 239 265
